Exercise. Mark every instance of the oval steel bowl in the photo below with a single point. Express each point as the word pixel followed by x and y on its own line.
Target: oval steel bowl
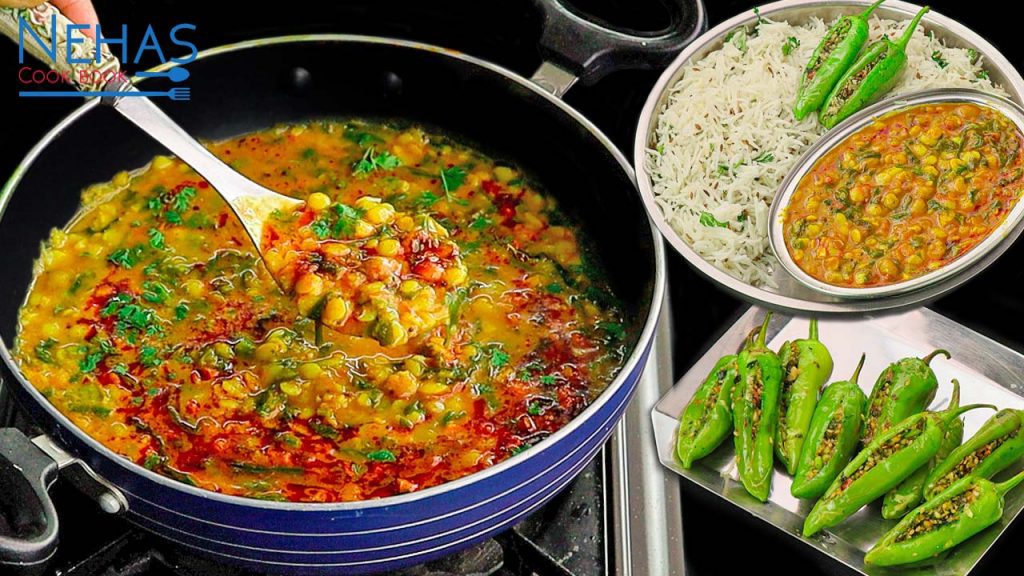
pixel 792 296
pixel 997 241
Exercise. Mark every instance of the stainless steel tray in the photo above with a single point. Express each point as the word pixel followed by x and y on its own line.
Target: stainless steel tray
pixel 791 295
pixel 988 373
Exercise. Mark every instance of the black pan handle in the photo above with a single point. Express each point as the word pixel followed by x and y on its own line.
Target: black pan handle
pixel 590 48
pixel 28 520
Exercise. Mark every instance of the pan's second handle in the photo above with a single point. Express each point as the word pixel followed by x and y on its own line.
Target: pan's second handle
pixel 44 33
pixel 589 49
pixel 28 520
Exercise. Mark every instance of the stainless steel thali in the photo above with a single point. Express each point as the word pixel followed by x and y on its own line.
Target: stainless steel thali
pixel 988 372
pixel 791 295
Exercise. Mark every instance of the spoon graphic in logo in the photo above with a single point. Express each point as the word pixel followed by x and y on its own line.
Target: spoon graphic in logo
pixel 176 74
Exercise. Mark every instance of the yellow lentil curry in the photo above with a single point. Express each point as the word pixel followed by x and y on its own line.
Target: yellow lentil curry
pixel 439 315
pixel 906 195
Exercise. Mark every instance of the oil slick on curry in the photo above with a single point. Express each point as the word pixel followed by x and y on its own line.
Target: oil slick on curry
pixel 906 195
pixel 439 315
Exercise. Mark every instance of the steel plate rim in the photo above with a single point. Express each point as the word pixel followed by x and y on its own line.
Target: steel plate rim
pixel 760 296
pixel 632 362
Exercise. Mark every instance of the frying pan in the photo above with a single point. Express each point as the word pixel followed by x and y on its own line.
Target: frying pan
pixel 254 85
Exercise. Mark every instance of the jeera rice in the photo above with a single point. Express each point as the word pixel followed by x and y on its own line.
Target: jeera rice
pixel 727 136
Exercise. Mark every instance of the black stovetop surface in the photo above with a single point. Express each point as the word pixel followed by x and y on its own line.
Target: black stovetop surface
pixel 506 32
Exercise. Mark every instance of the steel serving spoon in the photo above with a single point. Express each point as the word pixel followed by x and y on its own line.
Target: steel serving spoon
pixel 100 76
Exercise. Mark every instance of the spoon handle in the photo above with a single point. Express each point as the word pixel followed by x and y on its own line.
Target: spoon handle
pixel 142 112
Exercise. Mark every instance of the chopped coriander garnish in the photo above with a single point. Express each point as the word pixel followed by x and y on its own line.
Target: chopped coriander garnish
pixel 115 303
pixel 132 319
pixel 155 292
pixel 156 238
pixel 126 257
pixel 347 217
pixel 791 43
pixel 148 357
pixel 455 301
pixel 321 228
pixel 614 329
pixel 173 216
pixel 338 223
pixel 363 139
pixel 183 199
pixel 426 199
pixel 451 416
pixel 481 222
pixel 757 13
pixel 371 162
pixel 452 178
pixel 938 59
pixel 708 219
pixel 498 358
pixel 44 350
pixel 91 360
pixel 381 456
